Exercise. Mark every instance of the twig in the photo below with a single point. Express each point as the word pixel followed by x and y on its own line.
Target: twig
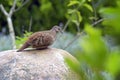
pixel 100 20
pixel 30 24
pixel 78 28
pixel 94 9
pixel 25 2
pixel 75 38
pixel 3 10
pixel 9 20
pixel 13 8
pixel 66 25
pixel 64 28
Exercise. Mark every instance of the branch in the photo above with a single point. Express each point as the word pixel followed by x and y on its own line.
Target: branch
pixel 25 2
pixel 100 20
pixel 13 8
pixel 3 10
pixel 66 25
pixel 64 28
pixel 94 9
pixel 30 24
pixel 75 38
pixel 78 28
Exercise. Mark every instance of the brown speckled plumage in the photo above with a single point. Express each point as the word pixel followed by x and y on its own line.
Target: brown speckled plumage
pixel 42 39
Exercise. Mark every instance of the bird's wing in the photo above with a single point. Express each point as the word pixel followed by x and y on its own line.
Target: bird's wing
pixel 40 39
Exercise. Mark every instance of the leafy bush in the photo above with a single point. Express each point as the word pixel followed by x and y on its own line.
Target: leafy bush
pixel 96 60
pixel 21 40
pixel 44 13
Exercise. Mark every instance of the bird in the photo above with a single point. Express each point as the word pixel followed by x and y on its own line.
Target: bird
pixel 41 39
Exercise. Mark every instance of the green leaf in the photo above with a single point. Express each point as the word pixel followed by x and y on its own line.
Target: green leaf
pixel 21 40
pixel 46 7
pixel 79 16
pixel 10 2
pixel 74 65
pixel 88 7
pixel 112 16
pixel 113 63
pixel 70 11
pixel 94 48
pixel 118 3
pixel 89 0
pixel 75 16
pixel 74 2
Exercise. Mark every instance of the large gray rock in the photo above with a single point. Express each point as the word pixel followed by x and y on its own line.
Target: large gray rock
pixel 48 64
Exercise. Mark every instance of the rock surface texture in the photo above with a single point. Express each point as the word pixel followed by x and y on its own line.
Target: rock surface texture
pixel 47 64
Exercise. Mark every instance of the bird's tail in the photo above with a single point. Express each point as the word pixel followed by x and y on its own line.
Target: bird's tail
pixel 23 47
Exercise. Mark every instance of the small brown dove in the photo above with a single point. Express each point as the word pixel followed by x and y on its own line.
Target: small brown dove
pixel 41 39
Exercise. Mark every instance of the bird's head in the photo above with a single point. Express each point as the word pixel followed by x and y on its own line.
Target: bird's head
pixel 57 29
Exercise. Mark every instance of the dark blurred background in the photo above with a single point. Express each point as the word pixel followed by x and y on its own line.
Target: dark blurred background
pixel 38 15
pixel 47 13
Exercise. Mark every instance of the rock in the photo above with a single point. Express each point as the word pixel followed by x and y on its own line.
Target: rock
pixel 47 64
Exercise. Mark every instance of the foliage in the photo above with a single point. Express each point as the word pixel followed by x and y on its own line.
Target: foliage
pixel 112 21
pixel 96 57
pixel 44 13
pixel 21 40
